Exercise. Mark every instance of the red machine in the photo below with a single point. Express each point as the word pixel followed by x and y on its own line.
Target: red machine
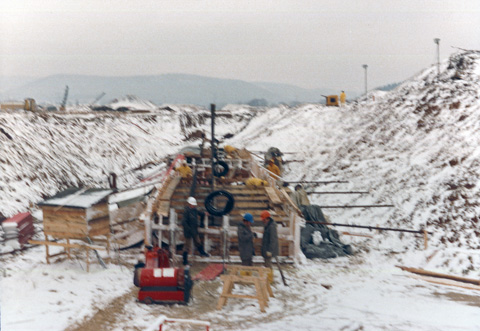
pixel 158 282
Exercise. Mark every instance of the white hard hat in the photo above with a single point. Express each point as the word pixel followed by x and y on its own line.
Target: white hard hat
pixel 192 201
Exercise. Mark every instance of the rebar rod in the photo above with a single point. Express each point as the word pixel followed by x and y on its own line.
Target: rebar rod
pixel 368 227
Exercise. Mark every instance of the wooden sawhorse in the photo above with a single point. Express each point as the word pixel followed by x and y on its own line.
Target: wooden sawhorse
pixel 258 278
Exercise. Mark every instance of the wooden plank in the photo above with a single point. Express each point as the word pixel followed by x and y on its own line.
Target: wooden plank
pixel 163 202
pixel 76 229
pixel 67 225
pixel 68 245
pixel 446 282
pixel 439 275
pixel 227 288
pixel 63 210
pixel 65 228
pixel 172 185
pixel 164 208
pixel 273 196
pixel 64 235
pixel 67 218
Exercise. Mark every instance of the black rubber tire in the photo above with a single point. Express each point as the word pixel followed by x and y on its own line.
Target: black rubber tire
pixel 148 301
pixel 224 166
pixel 212 210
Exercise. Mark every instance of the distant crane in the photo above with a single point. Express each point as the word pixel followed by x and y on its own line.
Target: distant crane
pixel 101 95
pixel 64 101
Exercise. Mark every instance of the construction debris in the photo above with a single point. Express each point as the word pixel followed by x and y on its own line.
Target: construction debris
pixel 18 230
pixel 440 275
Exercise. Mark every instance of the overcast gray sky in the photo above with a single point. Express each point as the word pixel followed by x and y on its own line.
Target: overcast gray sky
pixel 307 43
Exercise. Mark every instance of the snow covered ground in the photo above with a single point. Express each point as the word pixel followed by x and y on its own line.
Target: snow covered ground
pixel 415 147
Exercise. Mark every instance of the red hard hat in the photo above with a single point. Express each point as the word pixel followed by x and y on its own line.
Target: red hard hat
pixel 265 214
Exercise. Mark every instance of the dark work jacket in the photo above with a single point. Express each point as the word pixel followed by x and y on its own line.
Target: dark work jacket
pixel 190 221
pixel 245 242
pixel 270 239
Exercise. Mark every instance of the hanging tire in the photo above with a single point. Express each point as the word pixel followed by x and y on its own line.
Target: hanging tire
pixel 224 168
pixel 215 211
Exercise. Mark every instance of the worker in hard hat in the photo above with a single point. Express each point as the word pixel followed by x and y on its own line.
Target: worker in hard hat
pixel 269 239
pixel 273 168
pixel 245 240
pixel 343 98
pixel 184 170
pixel 190 229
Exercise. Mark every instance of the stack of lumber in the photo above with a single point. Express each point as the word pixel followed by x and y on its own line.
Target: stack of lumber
pixel 18 230
pixel 2 235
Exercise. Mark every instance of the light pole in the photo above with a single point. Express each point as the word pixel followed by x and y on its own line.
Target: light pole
pixel 365 67
pixel 437 41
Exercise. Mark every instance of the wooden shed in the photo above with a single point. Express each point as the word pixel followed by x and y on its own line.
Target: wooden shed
pixel 76 214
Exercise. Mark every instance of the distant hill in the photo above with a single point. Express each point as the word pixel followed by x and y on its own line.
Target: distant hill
pixel 12 82
pixel 167 88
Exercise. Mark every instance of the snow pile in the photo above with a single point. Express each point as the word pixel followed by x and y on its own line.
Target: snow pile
pixel 44 153
pixel 416 147
pixel 132 102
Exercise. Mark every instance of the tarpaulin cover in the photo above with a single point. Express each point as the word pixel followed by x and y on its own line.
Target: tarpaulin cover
pixel 330 246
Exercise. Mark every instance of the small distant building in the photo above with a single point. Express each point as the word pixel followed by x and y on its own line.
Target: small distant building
pixel 28 104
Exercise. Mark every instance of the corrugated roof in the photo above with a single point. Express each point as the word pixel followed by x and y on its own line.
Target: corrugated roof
pixel 77 197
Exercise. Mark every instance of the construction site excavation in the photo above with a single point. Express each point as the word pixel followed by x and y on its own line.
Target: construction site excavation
pixel 337 215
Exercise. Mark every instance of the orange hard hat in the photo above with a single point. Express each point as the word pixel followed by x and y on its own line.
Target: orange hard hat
pixel 265 214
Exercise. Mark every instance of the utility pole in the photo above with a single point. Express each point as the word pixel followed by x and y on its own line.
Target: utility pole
pixel 365 67
pixel 437 41
pixel 212 144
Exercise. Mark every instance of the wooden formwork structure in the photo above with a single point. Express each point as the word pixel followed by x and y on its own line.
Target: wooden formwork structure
pixel 164 210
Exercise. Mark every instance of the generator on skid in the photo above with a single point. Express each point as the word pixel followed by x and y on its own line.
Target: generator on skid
pixel 160 283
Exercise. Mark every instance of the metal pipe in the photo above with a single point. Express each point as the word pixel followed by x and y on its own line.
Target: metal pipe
pixel 437 41
pixel 365 67
pixel 339 192
pixel 316 181
pixel 359 206
pixel 369 227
